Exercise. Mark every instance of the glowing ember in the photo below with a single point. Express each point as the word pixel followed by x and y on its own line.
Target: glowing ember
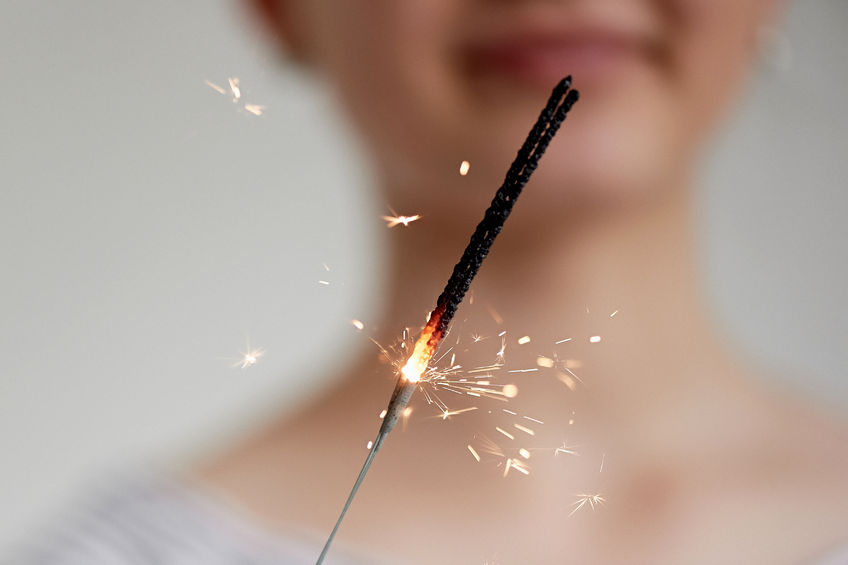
pixel 464 167
pixel 510 391
pixel 595 339
pixel 357 324
pixel 524 340
pixel 369 445
pixel 613 314
pixel 474 453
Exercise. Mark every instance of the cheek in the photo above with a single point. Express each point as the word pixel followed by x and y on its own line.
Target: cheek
pixel 715 45
pixel 384 57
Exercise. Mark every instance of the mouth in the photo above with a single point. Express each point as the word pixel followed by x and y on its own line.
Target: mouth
pixel 541 56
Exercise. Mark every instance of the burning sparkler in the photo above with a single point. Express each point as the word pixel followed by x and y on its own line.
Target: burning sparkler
pixel 549 121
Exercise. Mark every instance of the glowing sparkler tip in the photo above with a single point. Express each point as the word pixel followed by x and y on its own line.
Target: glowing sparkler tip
pixel 411 372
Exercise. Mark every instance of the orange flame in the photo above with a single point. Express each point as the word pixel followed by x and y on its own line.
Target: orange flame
pixel 423 350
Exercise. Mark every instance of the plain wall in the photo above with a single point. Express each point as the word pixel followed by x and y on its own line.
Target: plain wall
pixel 149 227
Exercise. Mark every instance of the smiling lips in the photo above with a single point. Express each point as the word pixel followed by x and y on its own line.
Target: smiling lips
pixel 541 58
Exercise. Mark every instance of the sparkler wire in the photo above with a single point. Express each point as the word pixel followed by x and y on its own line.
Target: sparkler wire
pixel 531 151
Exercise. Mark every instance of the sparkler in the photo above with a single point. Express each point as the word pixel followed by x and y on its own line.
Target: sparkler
pixel 546 126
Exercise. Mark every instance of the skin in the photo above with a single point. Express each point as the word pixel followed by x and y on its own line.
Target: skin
pixel 701 462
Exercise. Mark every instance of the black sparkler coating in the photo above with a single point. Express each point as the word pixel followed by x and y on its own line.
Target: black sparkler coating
pixel 546 126
pixel 519 172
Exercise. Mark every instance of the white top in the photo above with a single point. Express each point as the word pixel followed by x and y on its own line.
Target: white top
pixel 162 522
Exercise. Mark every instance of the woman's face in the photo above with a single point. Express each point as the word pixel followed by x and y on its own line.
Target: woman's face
pixel 434 82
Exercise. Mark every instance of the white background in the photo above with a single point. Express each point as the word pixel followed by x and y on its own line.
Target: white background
pixel 149 227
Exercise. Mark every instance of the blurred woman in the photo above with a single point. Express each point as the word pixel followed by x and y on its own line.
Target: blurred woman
pixel 669 450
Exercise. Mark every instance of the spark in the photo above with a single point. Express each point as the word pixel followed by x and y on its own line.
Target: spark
pixel 524 340
pixel 562 341
pixel 592 500
pixel 357 324
pixel 448 413
pixel 235 88
pixel 494 314
pixel 474 453
pixel 567 380
pixel 524 453
pixel 383 414
pixel 369 445
pixel 603 458
pixel 545 362
pixel 565 449
pixel 524 429
pixel 595 339
pixel 477 338
pixel 325 283
pixel 249 357
pixel 235 94
pixel 464 167
pixel 255 109
pixel 510 391
pixel 499 356
pixel 516 464
pixel 504 432
pixel 533 370
pixel 397 220
pixel 533 420
pixel 613 314
pixel 326 267
pixel 214 86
